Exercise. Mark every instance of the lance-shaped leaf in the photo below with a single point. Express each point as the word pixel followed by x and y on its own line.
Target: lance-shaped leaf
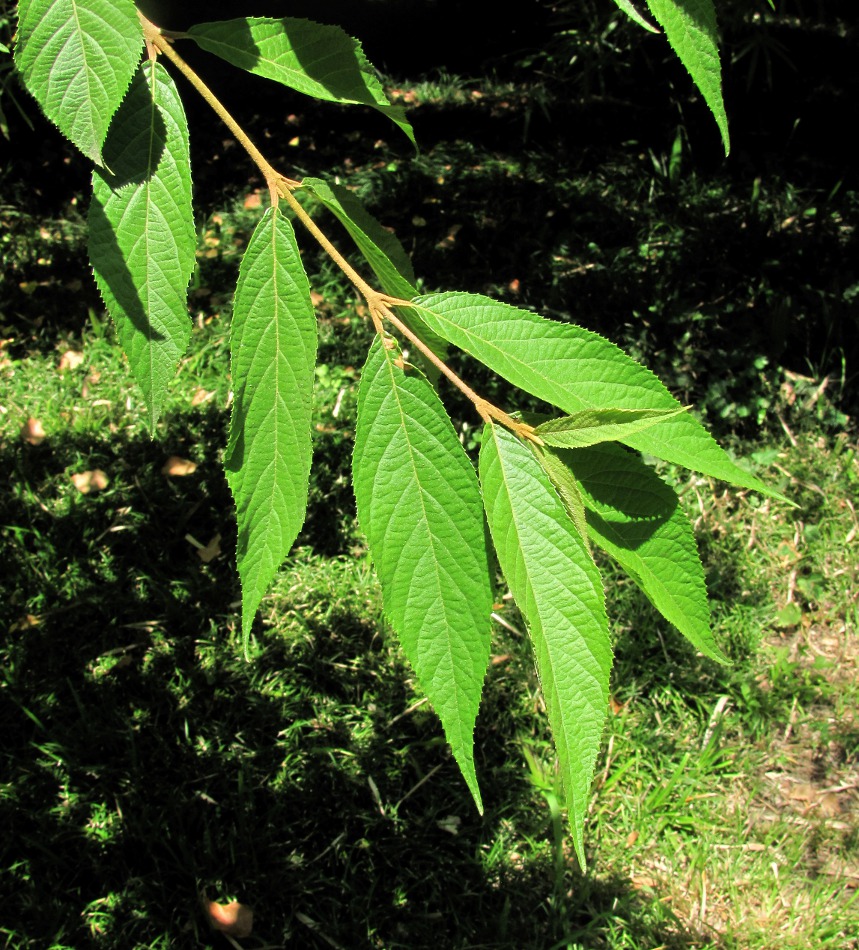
pixel 592 426
pixel 383 252
pixel 576 369
pixel 141 231
pixel 419 505
pixel 381 249
pixel 636 518
pixel 319 60
pixel 558 589
pixel 77 58
pixel 565 484
pixel 690 26
pixel 273 355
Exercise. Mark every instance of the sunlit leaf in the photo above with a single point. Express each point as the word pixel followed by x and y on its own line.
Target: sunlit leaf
pixel 273 355
pixel 319 60
pixel 690 26
pixel 592 426
pixel 419 505
pixel 557 587
pixel 575 370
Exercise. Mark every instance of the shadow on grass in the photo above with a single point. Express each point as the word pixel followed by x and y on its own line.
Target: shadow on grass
pixel 145 762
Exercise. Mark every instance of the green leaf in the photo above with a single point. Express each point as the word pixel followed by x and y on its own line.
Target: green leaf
pixel 419 505
pixel 576 369
pixel 558 589
pixel 77 58
pixel 690 26
pixel 319 60
pixel 384 253
pixel 565 485
pixel 636 518
pixel 273 355
pixel 633 14
pixel 592 426
pixel 381 249
pixel 141 231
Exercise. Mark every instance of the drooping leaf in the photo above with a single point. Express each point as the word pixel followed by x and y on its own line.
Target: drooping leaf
pixel 576 369
pixel 690 26
pixel 141 231
pixel 634 15
pixel 273 356
pixel 381 249
pixel 319 60
pixel 558 589
pixel 383 252
pixel 565 484
pixel 77 58
pixel 419 505
pixel 592 426
pixel 636 518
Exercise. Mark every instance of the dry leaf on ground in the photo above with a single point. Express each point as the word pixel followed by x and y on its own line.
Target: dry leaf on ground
pixel 235 919
pixel 86 482
pixel 32 431
pixel 71 359
pixel 176 466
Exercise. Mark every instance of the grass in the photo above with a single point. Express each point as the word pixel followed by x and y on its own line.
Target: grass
pixel 146 766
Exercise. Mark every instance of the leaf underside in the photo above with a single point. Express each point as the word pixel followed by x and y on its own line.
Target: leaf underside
pixel 141 231
pixel 316 59
pixel 575 370
pixel 273 356
pixel 557 588
pixel 419 505
pixel 77 58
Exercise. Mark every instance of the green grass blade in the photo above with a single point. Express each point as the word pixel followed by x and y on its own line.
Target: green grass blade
pixel 141 231
pixel 419 505
pixel 690 26
pixel 273 356
pixel 592 426
pixel 316 59
pixel 77 58
pixel 635 517
pixel 577 370
pixel 559 591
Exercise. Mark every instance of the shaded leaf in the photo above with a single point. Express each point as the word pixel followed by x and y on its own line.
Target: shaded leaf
pixel 576 369
pixel 319 60
pixel 558 589
pixel 636 518
pixel 419 505
pixel 273 355
pixel 141 231
pixel 77 58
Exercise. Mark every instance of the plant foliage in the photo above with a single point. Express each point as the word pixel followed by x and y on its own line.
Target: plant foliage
pixel 548 487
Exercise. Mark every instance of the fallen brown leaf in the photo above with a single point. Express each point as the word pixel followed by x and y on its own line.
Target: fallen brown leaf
pixel 32 431
pixel 211 550
pixel 71 359
pixel 235 919
pixel 201 396
pixel 176 466
pixel 87 482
